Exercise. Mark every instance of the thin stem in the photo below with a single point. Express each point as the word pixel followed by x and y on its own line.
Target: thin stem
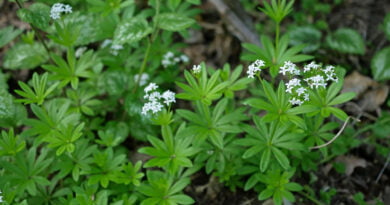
pixel 310 198
pixel 334 138
pixel 143 66
pixel 277 33
pixel 40 38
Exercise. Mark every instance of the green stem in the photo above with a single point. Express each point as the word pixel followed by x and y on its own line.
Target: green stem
pixel 315 201
pixel 40 38
pixel 143 66
pixel 277 33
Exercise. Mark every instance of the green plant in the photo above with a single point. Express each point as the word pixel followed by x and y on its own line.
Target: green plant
pixel 93 102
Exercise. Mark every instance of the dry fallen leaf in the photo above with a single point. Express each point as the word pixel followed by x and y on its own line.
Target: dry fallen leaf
pixel 357 83
pixel 351 162
pixel 373 99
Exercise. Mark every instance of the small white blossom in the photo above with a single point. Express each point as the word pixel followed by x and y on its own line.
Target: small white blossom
pixel 80 51
pixel 114 49
pixel 289 67
pixel 330 74
pixel 254 68
pixel 58 8
pixel 106 43
pixel 311 65
pixel 196 69
pixel 184 58
pixel 169 97
pixel 301 91
pixel 316 81
pixel 292 83
pixel 150 87
pixel 153 106
pixel 143 80
pixel 1 198
pixel 295 101
pixel 306 97
pixel 156 99
pixel 154 96
pixel 170 59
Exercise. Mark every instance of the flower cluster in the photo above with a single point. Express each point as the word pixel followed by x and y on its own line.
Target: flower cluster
pixel 143 80
pixel 156 99
pixel 290 68
pixel 58 8
pixel 170 59
pixel 254 68
pixel 312 77
pixel 114 48
pixel 1 198
pixel 196 69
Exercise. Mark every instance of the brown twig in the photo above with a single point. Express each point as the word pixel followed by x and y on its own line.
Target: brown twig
pixel 236 22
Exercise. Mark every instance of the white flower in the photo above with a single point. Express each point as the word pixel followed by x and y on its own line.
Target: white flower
pixel 316 81
pixel 58 8
pixel 114 49
pixel 80 51
pixel 153 106
pixel 169 97
pixel 306 97
pixel 292 83
pixel 154 96
pixel 156 100
pixel 301 91
pixel 196 69
pixel 143 80
pixel 150 87
pixel 184 58
pixel 1 198
pixel 289 67
pixel 106 43
pixel 330 74
pixel 311 65
pixel 254 68
pixel 295 101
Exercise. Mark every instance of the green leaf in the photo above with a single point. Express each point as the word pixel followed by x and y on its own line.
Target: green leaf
pixel 307 35
pixel 281 158
pixel 92 27
pixel 386 26
pixel 265 159
pixel 182 199
pixel 346 40
pixel 21 56
pixel 173 21
pixel 38 14
pixel 380 65
pixel 342 98
pixel 7 34
pixel 131 30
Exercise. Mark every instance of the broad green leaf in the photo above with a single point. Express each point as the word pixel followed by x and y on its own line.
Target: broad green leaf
pixel 346 40
pixel 21 56
pixel 307 35
pixel 173 21
pixel 38 14
pixel 92 27
pixel 131 30
pixel 386 26
pixel 380 65
pixel 7 34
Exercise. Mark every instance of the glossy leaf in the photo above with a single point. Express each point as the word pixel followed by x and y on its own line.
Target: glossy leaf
pixel 380 65
pixel 346 40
